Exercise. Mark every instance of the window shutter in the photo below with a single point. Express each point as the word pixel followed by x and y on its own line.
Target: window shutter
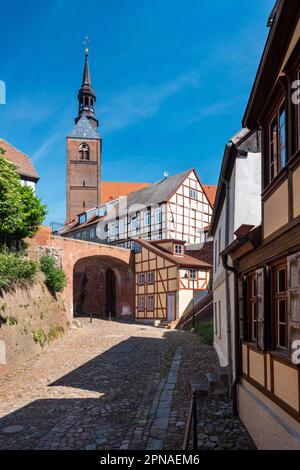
pixel 260 300
pixel 243 308
pixel 293 263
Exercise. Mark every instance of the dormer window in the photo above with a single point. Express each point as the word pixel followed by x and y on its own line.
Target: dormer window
pixel 178 250
pixel 82 218
pixel 84 152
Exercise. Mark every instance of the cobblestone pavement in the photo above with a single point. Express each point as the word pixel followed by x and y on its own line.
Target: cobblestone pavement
pixel 107 385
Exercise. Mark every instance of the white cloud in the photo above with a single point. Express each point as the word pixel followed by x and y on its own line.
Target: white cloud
pixel 141 102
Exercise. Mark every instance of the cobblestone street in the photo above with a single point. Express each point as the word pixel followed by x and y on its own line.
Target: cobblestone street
pixel 107 385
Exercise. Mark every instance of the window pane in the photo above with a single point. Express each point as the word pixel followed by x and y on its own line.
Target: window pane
pixel 281 280
pixel 282 142
pixel 282 311
pixel 282 340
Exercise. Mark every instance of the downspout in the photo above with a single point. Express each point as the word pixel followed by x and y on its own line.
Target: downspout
pixel 227 291
pixel 233 388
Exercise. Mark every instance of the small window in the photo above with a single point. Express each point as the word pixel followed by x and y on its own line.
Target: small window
pixel 277 142
pixel 158 217
pixel 280 307
pixel 150 302
pixel 141 302
pixel 253 308
pixel 178 249
pixel 141 278
pixel 92 233
pixel 82 218
pixel 137 248
pixel 121 227
pixel 133 222
pixel 193 274
pixel 150 277
pixel 193 194
pixel 84 235
pixel 84 152
pixel 147 218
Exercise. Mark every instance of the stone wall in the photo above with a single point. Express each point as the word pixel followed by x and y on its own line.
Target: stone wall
pixel 25 313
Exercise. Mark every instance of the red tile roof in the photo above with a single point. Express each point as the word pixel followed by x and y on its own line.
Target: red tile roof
pixel 21 160
pixel 210 192
pixel 111 190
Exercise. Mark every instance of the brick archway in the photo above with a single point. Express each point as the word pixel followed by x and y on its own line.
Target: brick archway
pixel 70 252
pixel 102 285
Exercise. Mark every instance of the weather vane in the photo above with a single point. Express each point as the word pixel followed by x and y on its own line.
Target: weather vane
pixel 86 42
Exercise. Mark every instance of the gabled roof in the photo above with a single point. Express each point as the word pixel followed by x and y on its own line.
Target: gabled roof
pixel 23 163
pixel 184 261
pixel 84 129
pixel 159 192
pixel 111 190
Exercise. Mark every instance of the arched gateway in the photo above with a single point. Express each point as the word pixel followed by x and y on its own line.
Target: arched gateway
pixel 100 277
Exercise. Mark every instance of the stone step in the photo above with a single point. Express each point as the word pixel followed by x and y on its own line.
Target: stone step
pixel 201 389
pixel 215 384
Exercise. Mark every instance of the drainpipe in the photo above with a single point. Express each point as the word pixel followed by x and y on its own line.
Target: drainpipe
pixel 233 387
pixel 227 291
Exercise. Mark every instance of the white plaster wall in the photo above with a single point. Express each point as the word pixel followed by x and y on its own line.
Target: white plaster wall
pixel 247 206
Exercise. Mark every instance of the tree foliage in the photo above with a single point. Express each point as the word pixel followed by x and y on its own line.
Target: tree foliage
pixel 21 211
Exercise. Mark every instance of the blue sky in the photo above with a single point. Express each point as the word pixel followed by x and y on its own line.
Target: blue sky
pixel 172 79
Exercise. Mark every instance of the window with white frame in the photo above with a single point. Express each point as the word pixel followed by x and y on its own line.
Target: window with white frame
pixel 121 227
pixel 193 194
pixel 133 222
pixel 150 302
pixel 141 278
pixel 141 302
pixel 150 277
pixel 178 249
pixel 193 274
pixel 147 218
pixel 158 217
pixel 113 229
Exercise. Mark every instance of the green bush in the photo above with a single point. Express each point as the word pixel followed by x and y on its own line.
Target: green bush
pixel 55 332
pixel 15 270
pixel 39 337
pixel 55 277
pixel 205 329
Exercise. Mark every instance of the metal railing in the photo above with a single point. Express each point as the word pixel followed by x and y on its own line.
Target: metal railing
pixel 198 309
pixel 192 423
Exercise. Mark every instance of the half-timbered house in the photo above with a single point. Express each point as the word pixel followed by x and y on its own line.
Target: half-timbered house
pixel 267 259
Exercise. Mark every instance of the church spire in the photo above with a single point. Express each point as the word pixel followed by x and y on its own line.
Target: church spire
pixel 86 95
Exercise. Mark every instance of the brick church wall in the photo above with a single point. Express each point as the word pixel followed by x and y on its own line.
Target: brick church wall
pixel 82 177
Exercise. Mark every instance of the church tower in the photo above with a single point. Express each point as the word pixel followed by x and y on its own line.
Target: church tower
pixel 83 152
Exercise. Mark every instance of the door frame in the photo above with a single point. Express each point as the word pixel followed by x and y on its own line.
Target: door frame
pixel 173 294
